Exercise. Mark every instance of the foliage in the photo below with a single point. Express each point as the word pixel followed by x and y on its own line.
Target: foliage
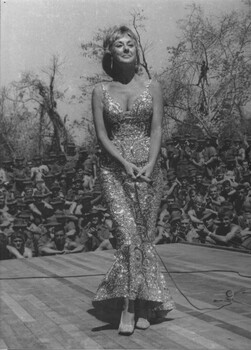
pixel 18 125
pixel 29 120
pixel 223 43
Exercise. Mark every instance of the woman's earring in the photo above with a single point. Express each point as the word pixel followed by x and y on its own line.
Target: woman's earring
pixel 136 66
pixel 111 62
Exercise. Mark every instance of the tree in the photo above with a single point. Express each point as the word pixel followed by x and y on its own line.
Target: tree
pixel 29 121
pixel 18 127
pixel 44 95
pixel 223 43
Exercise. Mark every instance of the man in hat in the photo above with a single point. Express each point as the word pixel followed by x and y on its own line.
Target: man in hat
pixel 71 157
pixel 20 173
pixel 172 185
pixel 94 232
pixel 12 207
pixel 48 227
pixel 78 196
pixel 56 192
pixel 40 207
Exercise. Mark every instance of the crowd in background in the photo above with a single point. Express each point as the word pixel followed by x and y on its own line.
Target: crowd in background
pixel 54 205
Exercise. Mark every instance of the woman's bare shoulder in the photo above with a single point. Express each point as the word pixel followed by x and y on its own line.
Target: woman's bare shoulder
pixel 155 85
pixel 98 90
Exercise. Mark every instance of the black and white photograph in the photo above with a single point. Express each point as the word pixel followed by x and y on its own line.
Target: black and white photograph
pixel 125 174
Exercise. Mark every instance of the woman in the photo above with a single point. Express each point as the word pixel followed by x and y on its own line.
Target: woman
pixel 127 115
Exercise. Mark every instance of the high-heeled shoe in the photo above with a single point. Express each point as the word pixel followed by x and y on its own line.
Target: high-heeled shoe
pixel 142 323
pixel 126 328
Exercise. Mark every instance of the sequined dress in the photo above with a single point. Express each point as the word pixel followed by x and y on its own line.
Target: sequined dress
pixel 133 206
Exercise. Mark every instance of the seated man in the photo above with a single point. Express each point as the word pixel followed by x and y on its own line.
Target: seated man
pixel 214 199
pixel 196 212
pixel 95 232
pixel 60 245
pixel 17 246
pixel 185 231
pixel 208 226
pixel 227 233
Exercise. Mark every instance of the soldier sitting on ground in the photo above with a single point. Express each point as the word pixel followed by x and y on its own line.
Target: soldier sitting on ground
pixel 18 243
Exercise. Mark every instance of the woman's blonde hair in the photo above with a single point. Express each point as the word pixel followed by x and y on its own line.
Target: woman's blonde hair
pixel 111 36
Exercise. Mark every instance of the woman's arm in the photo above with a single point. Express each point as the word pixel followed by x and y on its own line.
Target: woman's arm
pixel 97 110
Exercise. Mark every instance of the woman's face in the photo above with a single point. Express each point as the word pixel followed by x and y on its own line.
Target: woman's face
pixel 124 50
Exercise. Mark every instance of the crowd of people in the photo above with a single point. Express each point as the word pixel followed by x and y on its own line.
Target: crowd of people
pixel 207 197
pixel 54 205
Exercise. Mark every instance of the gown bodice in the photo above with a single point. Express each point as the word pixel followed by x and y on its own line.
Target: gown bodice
pixel 129 130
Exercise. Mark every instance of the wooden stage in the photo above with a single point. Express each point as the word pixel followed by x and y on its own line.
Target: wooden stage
pixel 43 306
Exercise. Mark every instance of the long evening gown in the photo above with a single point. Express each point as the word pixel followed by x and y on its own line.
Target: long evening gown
pixel 133 206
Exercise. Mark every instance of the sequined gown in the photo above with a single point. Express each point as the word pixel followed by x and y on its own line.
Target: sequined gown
pixel 133 206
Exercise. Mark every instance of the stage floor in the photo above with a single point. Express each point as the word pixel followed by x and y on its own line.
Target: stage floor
pixel 43 306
